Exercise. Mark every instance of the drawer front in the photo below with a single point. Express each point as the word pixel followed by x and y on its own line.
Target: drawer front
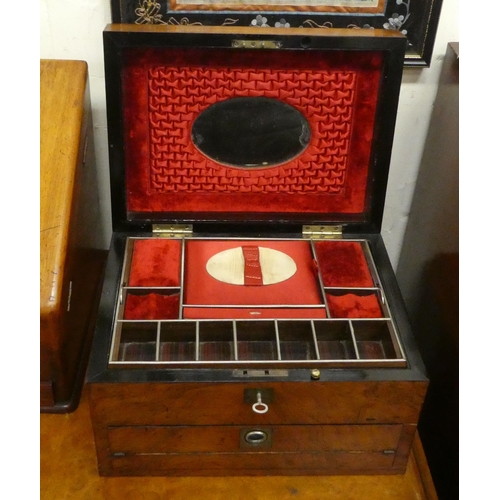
pixel 281 438
pixel 288 449
pixel 312 402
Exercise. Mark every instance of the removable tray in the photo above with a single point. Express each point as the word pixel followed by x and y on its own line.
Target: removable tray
pixel 173 313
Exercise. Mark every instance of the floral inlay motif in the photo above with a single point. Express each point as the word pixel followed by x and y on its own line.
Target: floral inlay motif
pixel 396 21
pixel 260 21
pixel 148 13
pixel 281 24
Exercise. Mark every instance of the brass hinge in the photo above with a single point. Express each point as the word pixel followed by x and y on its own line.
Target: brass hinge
pixel 172 230
pixel 256 44
pixel 322 232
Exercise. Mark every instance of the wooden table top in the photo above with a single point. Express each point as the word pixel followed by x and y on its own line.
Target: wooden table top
pixel 68 470
pixel 62 99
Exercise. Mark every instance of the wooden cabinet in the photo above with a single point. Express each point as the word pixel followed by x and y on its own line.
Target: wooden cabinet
pixel 311 427
pixel 71 261
pixel 57 458
pixel 309 367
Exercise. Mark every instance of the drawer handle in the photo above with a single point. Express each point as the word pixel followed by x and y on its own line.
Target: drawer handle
pixel 255 437
pixel 259 406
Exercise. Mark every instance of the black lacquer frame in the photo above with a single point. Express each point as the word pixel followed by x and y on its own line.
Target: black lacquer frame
pixel 118 38
pixel 417 19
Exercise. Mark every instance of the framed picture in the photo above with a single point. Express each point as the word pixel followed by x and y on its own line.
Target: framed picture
pixel 417 19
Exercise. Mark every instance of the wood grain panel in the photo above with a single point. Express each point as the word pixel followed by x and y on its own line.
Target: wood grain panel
pixel 223 403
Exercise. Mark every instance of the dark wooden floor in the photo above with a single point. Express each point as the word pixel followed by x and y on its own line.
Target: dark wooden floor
pixel 68 470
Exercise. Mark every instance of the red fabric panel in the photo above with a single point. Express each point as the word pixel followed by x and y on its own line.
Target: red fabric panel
pixel 151 306
pixel 155 262
pixel 254 313
pixel 343 264
pixel 164 91
pixel 202 289
pixel 354 306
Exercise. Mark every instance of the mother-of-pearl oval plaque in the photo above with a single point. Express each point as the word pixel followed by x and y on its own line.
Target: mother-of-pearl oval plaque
pixel 228 266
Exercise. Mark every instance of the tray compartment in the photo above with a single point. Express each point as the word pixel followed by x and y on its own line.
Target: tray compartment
pixel 361 335
pixel 217 341
pixel 374 340
pixel 137 341
pixel 178 341
pixel 257 341
pixel 297 340
pixel 334 340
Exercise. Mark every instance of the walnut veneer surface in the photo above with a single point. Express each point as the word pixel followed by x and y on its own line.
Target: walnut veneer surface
pixel 68 470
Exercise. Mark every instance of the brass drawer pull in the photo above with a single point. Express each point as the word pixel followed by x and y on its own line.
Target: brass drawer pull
pixel 259 406
pixel 255 437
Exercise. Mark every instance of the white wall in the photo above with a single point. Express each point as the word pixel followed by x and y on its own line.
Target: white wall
pixel 73 30
pixel 417 96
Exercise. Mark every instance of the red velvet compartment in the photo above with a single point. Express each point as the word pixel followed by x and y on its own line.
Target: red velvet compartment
pixel 151 306
pixel 165 90
pixel 354 306
pixel 343 264
pixel 155 262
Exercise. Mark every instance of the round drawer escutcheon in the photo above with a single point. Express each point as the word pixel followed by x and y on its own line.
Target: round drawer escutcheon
pixel 255 437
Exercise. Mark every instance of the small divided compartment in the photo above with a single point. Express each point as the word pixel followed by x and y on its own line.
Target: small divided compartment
pixel 152 280
pixel 338 318
pixel 136 341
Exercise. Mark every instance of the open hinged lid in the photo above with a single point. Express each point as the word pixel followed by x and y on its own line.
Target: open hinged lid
pixel 220 124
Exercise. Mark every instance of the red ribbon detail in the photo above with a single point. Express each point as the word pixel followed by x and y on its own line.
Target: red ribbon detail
pixel 253 271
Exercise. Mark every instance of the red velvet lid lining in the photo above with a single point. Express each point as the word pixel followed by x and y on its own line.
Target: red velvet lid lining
pixel 165 89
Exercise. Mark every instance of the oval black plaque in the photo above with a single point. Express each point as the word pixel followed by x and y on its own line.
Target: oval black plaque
pixel 251 132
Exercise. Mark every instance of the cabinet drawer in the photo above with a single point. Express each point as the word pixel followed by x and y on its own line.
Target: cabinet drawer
pixel 288 449
pixel 280 438
pixel 313 403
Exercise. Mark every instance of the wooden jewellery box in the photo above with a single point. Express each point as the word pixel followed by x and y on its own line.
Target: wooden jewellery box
pixel 250 321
